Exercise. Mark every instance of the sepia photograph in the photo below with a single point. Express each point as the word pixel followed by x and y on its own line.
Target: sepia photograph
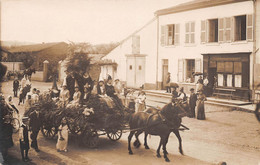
pixel 129 82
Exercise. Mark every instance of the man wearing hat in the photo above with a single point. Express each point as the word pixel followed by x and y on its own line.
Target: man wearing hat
pixel 35 125
pixel 24 139
pixel 192 102
pixel 15 86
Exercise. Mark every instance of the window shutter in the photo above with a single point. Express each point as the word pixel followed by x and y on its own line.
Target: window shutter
pixel 180 70
pixel 232 36
pixel 227 36
pixel 203 32
pixel 163 35
pixel 187 32
pixel 221 29
pixel 197 65
pixel 192 32
pixel 166 35
pixel 177 34
pixel 249 27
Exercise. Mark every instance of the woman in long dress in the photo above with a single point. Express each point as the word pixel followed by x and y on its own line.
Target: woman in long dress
pixel 63 136
pixel 101 90
pixel 76 98
pixel 200 106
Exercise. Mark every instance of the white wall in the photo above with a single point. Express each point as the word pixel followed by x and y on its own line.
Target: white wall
pixel 13 66
pixel 173 53
pixel 148 46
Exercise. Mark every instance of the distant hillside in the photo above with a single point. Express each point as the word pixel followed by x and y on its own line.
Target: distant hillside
pixel 15 43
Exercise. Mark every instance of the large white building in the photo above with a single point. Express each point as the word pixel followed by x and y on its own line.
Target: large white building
pixel 218 38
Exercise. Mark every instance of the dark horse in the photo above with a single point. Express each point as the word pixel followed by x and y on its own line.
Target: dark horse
pixel 160 124
pixel 153 110
pixel 29 72
pixel 23 93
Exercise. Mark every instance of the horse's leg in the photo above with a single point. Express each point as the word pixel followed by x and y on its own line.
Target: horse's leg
pixel 167 142
pixel 158 149
pixel 137 142
pixel 129 142
pixel 164 140
pixel 177 133
pixel 145 141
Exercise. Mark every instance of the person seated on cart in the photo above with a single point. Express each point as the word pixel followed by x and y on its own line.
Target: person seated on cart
pixel 76 98
pixel 101 91
pixel 110 91
pixel 87 93
pixel 64 96
pixel 11 105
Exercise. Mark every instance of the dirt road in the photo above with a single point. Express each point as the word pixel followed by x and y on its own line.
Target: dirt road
pixel 226 135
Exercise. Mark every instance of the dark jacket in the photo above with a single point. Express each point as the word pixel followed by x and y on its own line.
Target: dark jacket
pixel 110 90
pixel 193 99
pixel 25 145
pixel 99 90
pixel 16 84
pixel 35 121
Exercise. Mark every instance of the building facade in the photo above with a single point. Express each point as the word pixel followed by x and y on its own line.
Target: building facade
pixel 214 38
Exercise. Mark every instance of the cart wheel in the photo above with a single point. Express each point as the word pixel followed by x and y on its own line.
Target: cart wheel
pixel 90 139
pixel 257 112
pixel 114 134
pixel 49 132
pixel 16 125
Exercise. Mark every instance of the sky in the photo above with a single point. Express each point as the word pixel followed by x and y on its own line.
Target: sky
pixel 93 21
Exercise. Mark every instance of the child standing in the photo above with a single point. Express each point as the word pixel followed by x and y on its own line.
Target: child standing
pixel 131 100
pixel 192 103
pixel 141 101
pixel 24 139
pixel 63 135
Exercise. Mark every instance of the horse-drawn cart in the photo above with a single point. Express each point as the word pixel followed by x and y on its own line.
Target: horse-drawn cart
pixel 86 123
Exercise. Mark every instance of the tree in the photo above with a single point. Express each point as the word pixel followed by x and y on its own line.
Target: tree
pixel 28 61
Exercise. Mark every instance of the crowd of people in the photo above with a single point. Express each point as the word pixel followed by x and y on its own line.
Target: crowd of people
pixel 76 92
pixel 196 99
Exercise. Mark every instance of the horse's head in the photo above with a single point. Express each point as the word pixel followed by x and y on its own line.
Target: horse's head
pixel 173 110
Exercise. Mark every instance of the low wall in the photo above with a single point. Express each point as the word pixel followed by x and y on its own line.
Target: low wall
pixel 14 66
pixel 37 76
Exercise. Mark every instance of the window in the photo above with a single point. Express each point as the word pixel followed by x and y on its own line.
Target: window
pixel 186 68
pixel 140 67
pixel 213 30
pixel 240 28
pixel 203 32
pixel 130 67
pixel 190 68
pixel 190 32
pixel 229 73
pixel 170 34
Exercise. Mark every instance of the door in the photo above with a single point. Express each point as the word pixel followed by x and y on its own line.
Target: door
pixel 164 72
pixel 135 71
pixel 130 72
pixel 139 71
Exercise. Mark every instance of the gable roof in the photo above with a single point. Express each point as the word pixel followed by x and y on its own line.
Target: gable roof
pixel 195 4
pixel 34 48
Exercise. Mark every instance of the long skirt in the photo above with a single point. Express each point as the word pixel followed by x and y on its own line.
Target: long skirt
pixel 200 110
pixel 62 143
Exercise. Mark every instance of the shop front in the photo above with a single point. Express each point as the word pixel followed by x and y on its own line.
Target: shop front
pixel 228 75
